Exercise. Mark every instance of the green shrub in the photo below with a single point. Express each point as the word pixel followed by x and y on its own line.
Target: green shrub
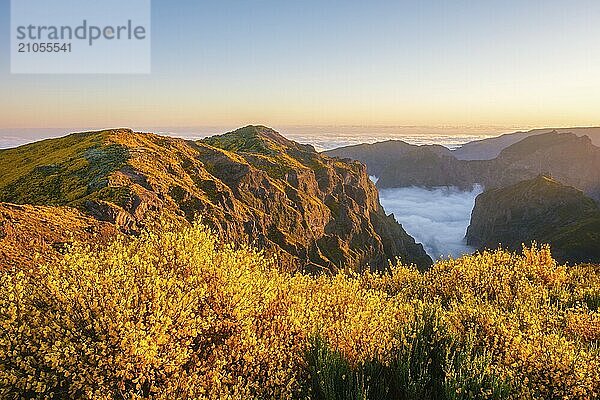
pixel 430 365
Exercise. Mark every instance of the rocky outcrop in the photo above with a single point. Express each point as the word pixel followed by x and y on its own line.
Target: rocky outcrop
pixel 251 186
pixel 541 210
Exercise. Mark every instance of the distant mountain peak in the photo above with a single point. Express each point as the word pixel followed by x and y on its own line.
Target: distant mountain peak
pixel 545 142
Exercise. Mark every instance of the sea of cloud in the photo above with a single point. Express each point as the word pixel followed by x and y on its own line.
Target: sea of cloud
pixel 438 218
pixel 323 143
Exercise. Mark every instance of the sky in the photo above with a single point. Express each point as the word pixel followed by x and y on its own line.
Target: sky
pixel 434 63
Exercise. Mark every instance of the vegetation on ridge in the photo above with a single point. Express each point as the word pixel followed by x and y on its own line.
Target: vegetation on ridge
pixel 245 139
pixel 63 171
pixel 174 314
pixel 257 188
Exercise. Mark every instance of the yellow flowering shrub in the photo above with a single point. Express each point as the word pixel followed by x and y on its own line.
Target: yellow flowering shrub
pixel 173 314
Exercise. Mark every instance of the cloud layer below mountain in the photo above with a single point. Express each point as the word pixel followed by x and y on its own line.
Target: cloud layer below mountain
pixel 437 217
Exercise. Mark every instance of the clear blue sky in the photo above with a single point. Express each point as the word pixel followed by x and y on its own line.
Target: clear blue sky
pixel 335 62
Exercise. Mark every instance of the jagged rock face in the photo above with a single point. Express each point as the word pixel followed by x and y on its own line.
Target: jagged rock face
pixel 571 159
pixel 33 234
pixel 541 210
pixel 252 186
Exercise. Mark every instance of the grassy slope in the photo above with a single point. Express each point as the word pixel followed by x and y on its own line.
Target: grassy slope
pixel 63 171
pixel 581 237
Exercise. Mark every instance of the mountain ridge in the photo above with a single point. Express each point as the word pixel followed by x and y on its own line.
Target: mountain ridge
pixel 572 159
pixel 251 186
pixel 490 148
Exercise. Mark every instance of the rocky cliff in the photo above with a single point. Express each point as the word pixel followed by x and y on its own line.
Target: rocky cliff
pixel 251 185
pixel 541 210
